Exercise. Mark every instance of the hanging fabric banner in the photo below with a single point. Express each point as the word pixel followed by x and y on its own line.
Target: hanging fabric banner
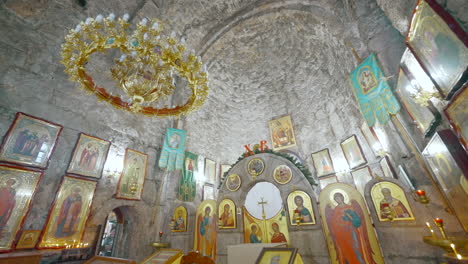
pixel 188 183
pixel 172 154
pixel 373 93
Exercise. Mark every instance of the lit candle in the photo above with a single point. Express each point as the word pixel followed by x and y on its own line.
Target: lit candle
pixel 439 221
pixel 420 193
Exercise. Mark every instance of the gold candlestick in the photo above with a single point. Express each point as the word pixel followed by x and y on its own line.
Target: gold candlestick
pixel 440 224
pixel 430 229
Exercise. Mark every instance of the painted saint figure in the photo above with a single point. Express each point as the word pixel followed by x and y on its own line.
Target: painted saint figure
pixel 88 158
pixel 348 231
pixel 277 236
pixel 253 235
pixel 7 202
pixel 69 214
pixel 180 222
pixel 206 234
pixel 398 208
pixel 303 212
pixel 227 218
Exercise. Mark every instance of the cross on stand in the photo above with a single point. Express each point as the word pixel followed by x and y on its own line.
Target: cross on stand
pixel 262 203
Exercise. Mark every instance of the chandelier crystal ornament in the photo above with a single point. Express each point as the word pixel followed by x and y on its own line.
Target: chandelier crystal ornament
pixel 142 68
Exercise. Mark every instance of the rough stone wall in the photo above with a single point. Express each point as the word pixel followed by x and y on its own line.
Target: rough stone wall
pixel 32 81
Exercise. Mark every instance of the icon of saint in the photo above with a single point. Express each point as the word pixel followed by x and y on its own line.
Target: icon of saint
pixel 7 202
pixel 277 236
pixel 303 212
pixel 227 218
pixel 206 233
pixel 348 229
pixel 180 222
pixel 396 206
pixel 69 215
pixel 253 238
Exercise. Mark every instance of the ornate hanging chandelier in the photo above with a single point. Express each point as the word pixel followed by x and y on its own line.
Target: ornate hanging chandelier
pixel 138 68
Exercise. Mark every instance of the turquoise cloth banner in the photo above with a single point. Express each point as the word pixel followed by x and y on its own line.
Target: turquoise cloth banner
pixel 373 93
pixel 172 154
pixel 188 183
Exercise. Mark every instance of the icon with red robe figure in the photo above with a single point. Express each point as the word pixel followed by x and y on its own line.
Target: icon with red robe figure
pixel 277 236
pixel 349 232
pixel 68 218
pixel 7 203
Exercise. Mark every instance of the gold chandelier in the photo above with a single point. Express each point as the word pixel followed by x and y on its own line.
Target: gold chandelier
pixel 144 66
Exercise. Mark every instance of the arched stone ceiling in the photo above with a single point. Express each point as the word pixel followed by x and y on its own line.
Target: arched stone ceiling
pixel 272 63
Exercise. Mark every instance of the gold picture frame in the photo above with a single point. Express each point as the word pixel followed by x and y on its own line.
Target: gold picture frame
pixel 300 209
pixel 277 256
pixel 457 114
pixel 89 156
pixel 282 133
pixel 28 239
pixel 389 195
pixel 255 167
pixel 353 152
pixel 227 214
pixel 17 189
pixel 180 219
pixel 164 255
pixel 68 214
pixel 30 141
pixel 132 179
pixel 233 182
pixel 323 163
pixel 282 174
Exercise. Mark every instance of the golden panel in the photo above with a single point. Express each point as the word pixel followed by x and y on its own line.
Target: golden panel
pixel 227 214
pixel 282 133
pixel 133 176
pixel 282 174
pixel 388 194
pixel 180 219
pixel 205 229
pixel 300 205
pixel 233 182
pixel 273 230
pixel 17 187
pixel 347 226
pixel 69 213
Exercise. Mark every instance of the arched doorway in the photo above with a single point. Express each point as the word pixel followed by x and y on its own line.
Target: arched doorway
pixel 112 230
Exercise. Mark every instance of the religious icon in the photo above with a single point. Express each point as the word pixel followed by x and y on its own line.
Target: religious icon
pixel 457 114
pixel 208 192
pixel 180 219
pixel 282 133
pixel 438 46
pixel 352 152
pixel 279 256
pixel 255 167
pixel 172 154
pixel 347 226
pixel 133 175
pixel 277 236
pixel 371 138
pixel 327 180
pixel 323 163
pixel 361 177
pixel 366 79
pixel 210 171
pixel 205 237
pixel 68 215
pixel 17 188
pixel 282 174
pixel 300 209
pixel 28 239
pixel 421 115
pixel 255 234
pixel 89 156
pixel 29 141
pixel 390 202
pixel 447 160
pixel 227 214
pixel 233 182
